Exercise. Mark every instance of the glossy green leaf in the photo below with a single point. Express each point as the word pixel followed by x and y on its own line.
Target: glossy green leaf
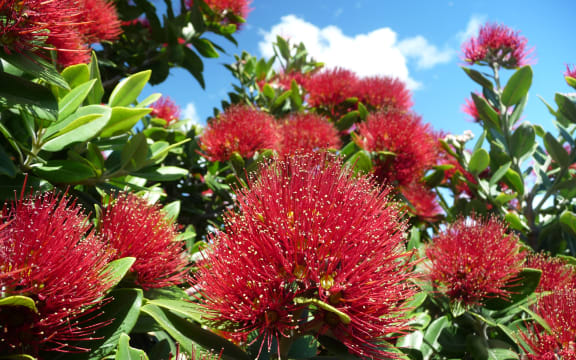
pixel 479 161
pixel 344 318
pixel 514 180
pixel 283 47
pixel 172 210
pixel 303 347
pixel 193 63
pixel 151 99
pixel 486 111
pixel 518 86
pixel 76 75
pixel 184 308
pixel 19 300
pixel 524 285
pixel 360 162
pixel 17 90
pixel 205 48
pixel 432 334
pixel 117 269
pixel 123 119
pixel 556 151
pixel 83 125
pixel 523 141
pixel 164 173
pixel 566 107
pixel 186 333
pixel 478 77
pixel 95 96
pixel 126 352
pixel 518 111
pixel 127 91
pixel 346 121
pixel 134 153
pixel 570 81
pixel 568 221
pixel 64 171
pixel 36 66
pixel 72 101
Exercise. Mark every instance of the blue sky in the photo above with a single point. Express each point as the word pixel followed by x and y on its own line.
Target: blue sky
pixel 418 41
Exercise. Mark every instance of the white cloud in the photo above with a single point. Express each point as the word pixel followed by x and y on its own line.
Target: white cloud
pixel 375 53
pixel 191 114
pixel 472 27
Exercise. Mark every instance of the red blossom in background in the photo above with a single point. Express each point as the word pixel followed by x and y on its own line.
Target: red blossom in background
pixel 570 72
pixel 558 310
pixel 470 108
pixel 166 109
pixel 227 11
pixel 308 229
pixel 383 93
pixel 330 88
pixel 100 21
pixel 423 201
pixel 137 229
pixel 497 44
pixel 474 259
pixel 308 132
pixel 284 80
pixel 240 129
pixel 49 254
pixel 413 144
pixel 556 273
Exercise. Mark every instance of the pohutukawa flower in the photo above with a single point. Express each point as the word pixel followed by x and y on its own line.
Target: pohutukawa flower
pixel 475 259
pixel 137 229
pixel 166 109
pixel 497 45
pixel 49 254
pixel 559 312
pixel 570 73
pixel 556 272
pixel 308 232
pixel 423 201
pixel 240 129
pixel 101 21
pixel 411 145
pixel 384 93
pixel 329 89
pixel 284 80
pixel 308 132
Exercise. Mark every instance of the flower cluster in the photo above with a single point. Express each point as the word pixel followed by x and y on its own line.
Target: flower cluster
pixel 49 254
pixel 474 259
pixel 308 132
pixel 65 26
pixel 497 45
pixel 556 273
pixel 308 232
pixel 166 109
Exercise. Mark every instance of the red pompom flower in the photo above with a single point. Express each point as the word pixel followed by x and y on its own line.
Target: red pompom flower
pixel 308 132
pixel 383 93
pixel 474 259
pixel 556 272
pixel 329 90
pixel 166 109
pixel 49 254
pixel 309 232
pixel 240 129
pixel 497 45
pixel 137 229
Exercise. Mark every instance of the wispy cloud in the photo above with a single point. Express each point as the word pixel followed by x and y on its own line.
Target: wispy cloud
pixel 472 27
pixel 191 114
pixel 426 55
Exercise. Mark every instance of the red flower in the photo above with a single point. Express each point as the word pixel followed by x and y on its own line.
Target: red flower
pixel 497 44
pixel 240 129
pixel 559 312
pixel 137 229
pixel 412 143
pixel 423 201
pixel 556 273
pixel 329 89
pixel 309 231
pixel 227 11
pixel 101 21
pixel 474 259
pixel 470 108
pixel 384 93
pixel 284 80
pixel 166 109
pixel 48 254
pixel 570 72
pixel 308 132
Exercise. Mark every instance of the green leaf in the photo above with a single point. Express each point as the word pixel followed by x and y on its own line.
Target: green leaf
pixel 76 75
pixel 486 111
pixel 566 107
pixel 123 119
pixel 183 308
pixel 193 63
pixel 336 347
pixel 164 173
pixel 83 125
pixel 172 210
pixel 432 334
pixel 186 333
pixel 72 101
pixel 518 86
pixel 17 90
pixel 478 77
pixel 134 153
pixel 479 161
pixel 151 99
pixel 360 162
pixel 19 300
pixel 571 81
pixel 205 48
pixel 518 110
pixel 95 96
pixel 344 318
pixel 127 91
pixel 126 352
pixel 303 347
pixel 7 166
pixel 525 284
pixel 117 269
pixel 64 171
pixel 523 141
pixel 556 151
pixel 36 66
pixel 283 47
pixel 514 180
pixel 568 221
pixel 347 120
pixel 499 174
